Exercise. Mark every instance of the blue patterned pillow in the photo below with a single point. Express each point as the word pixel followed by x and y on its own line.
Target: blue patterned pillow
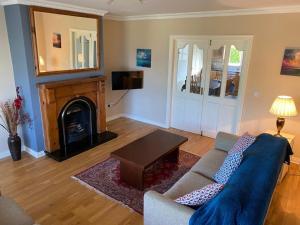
pixel 200 196
pixel 230 164
pixel 243 143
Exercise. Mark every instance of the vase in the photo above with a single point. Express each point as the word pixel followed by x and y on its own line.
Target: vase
pixel 14 144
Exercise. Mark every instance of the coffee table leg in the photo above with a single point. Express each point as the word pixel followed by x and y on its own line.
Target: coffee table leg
pixel 174 156
pixel 132 175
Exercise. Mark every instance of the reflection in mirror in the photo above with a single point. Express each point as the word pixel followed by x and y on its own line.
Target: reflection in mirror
pixel 216 73
pixel 65 42
pixel 233 72
pixel 83 49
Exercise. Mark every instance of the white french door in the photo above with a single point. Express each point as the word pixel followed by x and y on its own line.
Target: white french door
pixel 188 84
pixel 208 84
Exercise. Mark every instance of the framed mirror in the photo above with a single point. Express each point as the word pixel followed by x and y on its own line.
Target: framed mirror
pixel 64 41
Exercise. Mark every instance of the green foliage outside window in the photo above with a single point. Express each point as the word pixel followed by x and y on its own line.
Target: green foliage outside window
pixel 234 57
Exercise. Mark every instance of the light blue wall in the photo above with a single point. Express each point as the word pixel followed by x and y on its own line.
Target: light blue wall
pixel 18 28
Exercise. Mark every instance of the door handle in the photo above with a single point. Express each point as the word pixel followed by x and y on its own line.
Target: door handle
pixel 201 91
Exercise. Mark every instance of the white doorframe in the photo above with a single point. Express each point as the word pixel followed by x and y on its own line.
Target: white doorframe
pixel 243 82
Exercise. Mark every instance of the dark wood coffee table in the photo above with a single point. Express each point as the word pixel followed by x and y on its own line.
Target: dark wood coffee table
pixel 137 156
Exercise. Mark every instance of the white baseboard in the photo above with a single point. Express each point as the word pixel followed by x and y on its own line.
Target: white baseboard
pixel 6 153
pixel 33 153
pixel 137 118
pixel 114 117
pixel 144 120
pixel 295 160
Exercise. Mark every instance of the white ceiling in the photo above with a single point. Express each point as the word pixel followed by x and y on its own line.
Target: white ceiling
pixel 134 7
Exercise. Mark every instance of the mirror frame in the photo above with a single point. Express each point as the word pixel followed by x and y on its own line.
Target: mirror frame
pixel 34 39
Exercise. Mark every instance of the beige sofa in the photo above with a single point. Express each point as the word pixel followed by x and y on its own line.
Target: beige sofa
pixel 160 209
pixel 12 214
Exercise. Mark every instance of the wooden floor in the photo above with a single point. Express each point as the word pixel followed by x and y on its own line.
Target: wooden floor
pixel 44 188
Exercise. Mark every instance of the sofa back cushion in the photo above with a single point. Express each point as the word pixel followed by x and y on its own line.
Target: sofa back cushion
pixel 225 141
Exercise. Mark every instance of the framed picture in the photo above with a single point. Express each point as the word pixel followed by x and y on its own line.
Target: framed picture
pixel 143 57
pixel 56 40
pixel 291 62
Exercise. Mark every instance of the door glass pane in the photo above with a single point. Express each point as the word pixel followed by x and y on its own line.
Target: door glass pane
pixel 216 73
pixel 233 72
pixel 197 66
pixel 182 68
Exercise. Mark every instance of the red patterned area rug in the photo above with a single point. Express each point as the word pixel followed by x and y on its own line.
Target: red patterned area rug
pixel 104 178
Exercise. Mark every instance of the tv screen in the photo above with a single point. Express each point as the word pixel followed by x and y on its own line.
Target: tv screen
pixel 125 80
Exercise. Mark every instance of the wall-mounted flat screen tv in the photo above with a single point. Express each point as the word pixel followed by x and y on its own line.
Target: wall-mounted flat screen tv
pixel 125 80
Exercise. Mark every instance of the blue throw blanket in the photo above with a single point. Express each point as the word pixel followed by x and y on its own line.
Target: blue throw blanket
pixel 247 194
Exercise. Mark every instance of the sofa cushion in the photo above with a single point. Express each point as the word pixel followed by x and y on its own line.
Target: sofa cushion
pixel 225 141
pixel 189 182
pixel 210 163
pixel 12 214
pixel 231 163
pixel 201 196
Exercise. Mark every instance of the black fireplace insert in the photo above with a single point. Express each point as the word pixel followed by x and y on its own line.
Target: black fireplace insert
pixel 77 124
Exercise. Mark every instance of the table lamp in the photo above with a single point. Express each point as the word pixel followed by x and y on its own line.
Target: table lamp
pixel 283 106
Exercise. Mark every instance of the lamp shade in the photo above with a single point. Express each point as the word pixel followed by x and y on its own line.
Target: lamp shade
pixel 284 106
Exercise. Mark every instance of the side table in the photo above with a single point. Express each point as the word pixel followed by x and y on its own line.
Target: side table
pixel 285 166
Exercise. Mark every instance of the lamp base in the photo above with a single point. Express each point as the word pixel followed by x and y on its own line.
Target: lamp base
pixel 279 123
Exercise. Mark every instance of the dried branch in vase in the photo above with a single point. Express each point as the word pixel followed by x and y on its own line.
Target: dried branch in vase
pixel 13 114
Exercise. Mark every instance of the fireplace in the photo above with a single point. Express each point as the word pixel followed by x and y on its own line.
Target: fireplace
pixel 74 117
pixel 77 125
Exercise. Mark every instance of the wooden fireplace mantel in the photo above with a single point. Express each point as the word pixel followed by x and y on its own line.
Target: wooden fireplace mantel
pixel 55 95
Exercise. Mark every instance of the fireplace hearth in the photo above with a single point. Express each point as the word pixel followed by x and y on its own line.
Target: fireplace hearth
pixel 76 148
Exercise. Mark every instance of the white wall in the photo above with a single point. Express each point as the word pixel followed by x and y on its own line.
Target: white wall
pixel 272 34
pixel 114 60
pixel 121 39
pixel 7 84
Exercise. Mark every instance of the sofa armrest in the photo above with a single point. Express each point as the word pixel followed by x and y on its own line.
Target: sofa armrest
pixel 11 213
pixel 225 141
pixel 160 210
